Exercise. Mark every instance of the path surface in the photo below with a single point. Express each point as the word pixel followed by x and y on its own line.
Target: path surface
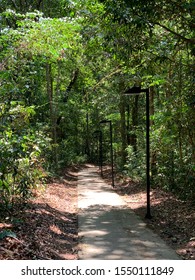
pixel 108 229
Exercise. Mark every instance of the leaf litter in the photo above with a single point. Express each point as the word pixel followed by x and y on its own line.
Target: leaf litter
pixel 46 227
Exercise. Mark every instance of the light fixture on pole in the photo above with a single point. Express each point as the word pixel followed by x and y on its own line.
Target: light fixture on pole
pixel 111 148
pixel 136 90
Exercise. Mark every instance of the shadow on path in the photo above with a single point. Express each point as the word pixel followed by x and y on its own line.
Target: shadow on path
pixel 108 229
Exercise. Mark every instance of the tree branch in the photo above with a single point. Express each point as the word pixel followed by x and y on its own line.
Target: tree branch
pixel 118 70
pixel 71 84
pixel 39 4
pixel 187 40
pixel 14 4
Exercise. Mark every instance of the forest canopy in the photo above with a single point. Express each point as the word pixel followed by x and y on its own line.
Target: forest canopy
pixel 64 66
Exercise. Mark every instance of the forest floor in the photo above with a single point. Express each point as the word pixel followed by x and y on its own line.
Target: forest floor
pixel 47 228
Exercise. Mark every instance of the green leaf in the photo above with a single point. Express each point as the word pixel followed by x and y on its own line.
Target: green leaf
pixel 7 233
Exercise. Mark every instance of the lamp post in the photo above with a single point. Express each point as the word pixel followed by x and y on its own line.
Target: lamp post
pixel 111 148
pixel 136 91
pixel 100 148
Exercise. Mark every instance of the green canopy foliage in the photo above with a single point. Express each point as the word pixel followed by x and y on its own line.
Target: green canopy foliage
pixel 65 66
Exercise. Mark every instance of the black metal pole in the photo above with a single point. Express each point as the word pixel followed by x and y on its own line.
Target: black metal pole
pixel 134 91
pixel 111 154
pixel 148 214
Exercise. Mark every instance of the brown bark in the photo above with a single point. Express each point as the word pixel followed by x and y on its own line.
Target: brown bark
pixel 134 123
pixel 49 80
pixel 153 153
pixel 122 106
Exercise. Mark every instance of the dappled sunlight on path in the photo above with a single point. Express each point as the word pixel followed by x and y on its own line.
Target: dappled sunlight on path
pixel 108 229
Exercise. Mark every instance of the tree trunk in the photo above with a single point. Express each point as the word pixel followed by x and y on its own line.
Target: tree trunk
pixel 128 125
pixel 49 80
pixel 122 106
pixel 153 153
pixel 133 137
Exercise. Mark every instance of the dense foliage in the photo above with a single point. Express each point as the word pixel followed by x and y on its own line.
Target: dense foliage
pixel 65 66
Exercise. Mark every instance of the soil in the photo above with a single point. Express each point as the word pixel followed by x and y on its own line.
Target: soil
pixel 46 227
